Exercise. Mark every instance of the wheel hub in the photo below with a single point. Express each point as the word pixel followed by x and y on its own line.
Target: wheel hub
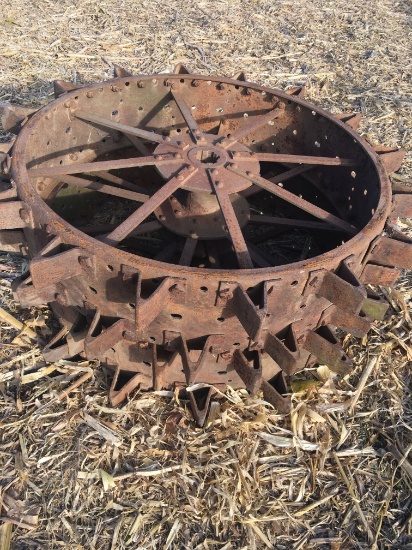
pixel 206 153
pixel 198 215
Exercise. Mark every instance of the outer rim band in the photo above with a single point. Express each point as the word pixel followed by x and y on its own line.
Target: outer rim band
pixel 75 237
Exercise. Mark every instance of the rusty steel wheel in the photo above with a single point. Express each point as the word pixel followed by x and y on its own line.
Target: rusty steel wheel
pixel 196 232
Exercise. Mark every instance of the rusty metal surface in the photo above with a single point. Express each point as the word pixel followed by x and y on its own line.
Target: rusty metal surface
pixel 390 157
pixel 12 241
pixel 401 206
pixel 380 275
pixel 155 211
pixel 323 344
pixel 13 116
pixel 390 252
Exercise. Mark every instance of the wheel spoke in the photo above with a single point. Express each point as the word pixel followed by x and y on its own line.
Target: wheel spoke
pixel 222 128
pixel 188 251
pixel 271 233
pixel 103 188
pixel 167 252
pixel 139 246
pixel 96 229
pixel 278 179
pixel 120 181
pixel 305 224
pixel 212 254
pixel 296 159
pixel 146 228
pixel 140 230
pixel 187 115
pixel 126 129
pixel 250 191
pixel 255 124
pixel 52 171
pixel 296 201
pixel 259 256
pixel 232 224
pixel 135 219
pixel 140 146
pixel 289 174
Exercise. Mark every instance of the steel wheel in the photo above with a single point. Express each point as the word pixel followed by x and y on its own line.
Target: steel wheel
pixel 188 229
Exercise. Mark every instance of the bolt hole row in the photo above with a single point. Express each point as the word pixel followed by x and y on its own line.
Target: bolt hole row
pixel 178 317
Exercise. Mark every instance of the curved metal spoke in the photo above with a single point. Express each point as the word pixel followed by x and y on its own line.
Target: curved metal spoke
pixel 51 171
pixel 135 219
pixel 188 251
pixel 278 179
pixel 235 233
pixel 187 115
pixel 305 224
pixel 296 159
pixel 126 129
pixel 296 201
pixel 255 124
pixel 103 188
